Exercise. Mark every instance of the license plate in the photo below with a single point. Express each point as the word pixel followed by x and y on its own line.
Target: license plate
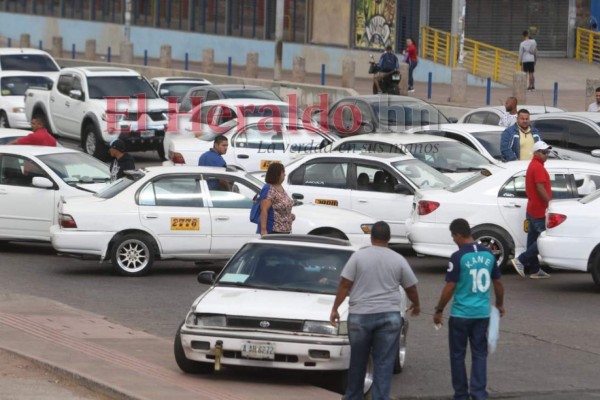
pixel 146 134
pixel 185 224
pixel 395 77
pixel 264 164
pixel 525 226
pixel 327 202
pixel 260 350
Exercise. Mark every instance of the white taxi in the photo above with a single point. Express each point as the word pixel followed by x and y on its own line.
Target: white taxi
pixel 494 202
pixel 13 85
pixel 187 213
pixel 269 308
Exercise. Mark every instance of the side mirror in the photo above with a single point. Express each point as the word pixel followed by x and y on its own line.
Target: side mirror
pixel 297 196
pixel 42 182
pixel 595 153
pixel 402 189
pixel 76 94
pixel 206 277
pixel 367 126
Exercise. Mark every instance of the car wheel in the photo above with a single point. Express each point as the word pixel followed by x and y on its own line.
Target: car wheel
pixel 401 359
pixel 340 380
pixel 92 144
pixel 186 365
pixel 4 120
pixel 132 255
pixel 496 240
pixel 595 269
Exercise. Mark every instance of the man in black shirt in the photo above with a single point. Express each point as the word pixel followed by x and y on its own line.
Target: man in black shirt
pixel 122 161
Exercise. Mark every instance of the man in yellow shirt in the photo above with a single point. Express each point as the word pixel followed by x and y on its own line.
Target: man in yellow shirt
pixel 517 140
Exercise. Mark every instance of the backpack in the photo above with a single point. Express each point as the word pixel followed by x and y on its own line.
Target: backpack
pixel 388 62
pixel 255 210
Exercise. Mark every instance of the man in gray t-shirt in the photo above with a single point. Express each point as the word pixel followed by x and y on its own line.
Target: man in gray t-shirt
pixel 372 277
pixel 527 58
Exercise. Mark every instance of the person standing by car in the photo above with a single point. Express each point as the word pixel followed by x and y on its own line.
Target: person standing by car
pixel 411 59
pixel 214 158
pixel 509 118
pixel 517 140
pixel 40 135
pixel 372 277
pixel 471 271
pixel 527 58
pixel 539 193
pixel 275 205
pixel 122 162
pixel 388 62
pixel 595 106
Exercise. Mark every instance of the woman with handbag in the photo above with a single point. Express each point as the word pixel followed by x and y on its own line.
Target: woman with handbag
pixel 275 205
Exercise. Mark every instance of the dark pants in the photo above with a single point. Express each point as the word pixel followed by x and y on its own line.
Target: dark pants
pixel 473 330
pixel 529 258
pixel 411 67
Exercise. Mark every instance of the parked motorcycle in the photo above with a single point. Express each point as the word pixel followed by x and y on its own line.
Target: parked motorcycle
pixel 389 83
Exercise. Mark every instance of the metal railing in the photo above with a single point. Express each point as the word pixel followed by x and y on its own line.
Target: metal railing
pixel 480 59
pixel 588 46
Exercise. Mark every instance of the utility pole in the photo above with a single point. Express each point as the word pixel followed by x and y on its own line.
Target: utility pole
pixel 461 27
pixel 278 39
pixel 127 22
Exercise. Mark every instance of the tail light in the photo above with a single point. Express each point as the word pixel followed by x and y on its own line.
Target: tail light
pixel 427 207
pixel 66 221
pixel 176 157
pixel 553 220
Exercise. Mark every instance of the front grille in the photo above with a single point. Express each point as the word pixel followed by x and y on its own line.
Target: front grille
pixel 154 116
pixel 289 325
pixel 289 358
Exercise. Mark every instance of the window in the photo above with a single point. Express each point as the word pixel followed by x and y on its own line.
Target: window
pixel 492 119
pixel 323 174
pixel 374 179
pixel 230 193
pixel 65 82
pixel 515 187
pixel 18 171
pixel 341 120
pixel 255 138
pixel 477 118
pixel 212 95
pixel 359 146
pixel 17 85
pixel 553 131
pixel 28 62
pixel 582 137
pixel 124 86
pixel 586 183
pixel 177 191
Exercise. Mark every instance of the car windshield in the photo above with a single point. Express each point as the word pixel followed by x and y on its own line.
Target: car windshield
pixel 447 156
pixel 422 175
pixel 17 85
pixel 120 86
pixel 469 180
pixel 115 188
pixel 264 94
pixel 285 268
pixel 408 114
pixel 491 142
pixel 176 89
pixel 77 168
pixel 28 62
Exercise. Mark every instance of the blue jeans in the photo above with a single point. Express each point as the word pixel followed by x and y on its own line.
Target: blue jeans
pixel 529 258
pixel 475 331
pixel 377 335
pixel 411 67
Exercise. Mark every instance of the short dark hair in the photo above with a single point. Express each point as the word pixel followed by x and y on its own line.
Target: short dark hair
pixel 381 231
pixel 273 173
pixel 598 89
pixel 525 33
pixel 388 47
pixel 523 111
pixel 39 118
pixel 220 139
pixel 460 227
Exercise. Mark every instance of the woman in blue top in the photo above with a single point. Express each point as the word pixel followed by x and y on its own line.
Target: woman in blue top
pixel 275 205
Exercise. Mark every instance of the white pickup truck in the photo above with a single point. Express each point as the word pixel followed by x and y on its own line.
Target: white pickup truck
pixel 99 104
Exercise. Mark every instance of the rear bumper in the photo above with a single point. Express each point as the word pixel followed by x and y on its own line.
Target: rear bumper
pixel 565 252
pixel 430 239
pixel 80 242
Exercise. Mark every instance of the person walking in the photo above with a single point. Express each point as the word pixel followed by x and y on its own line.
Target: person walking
pixel 411 59
pixel 372 277
pixel 39 135
pixel 388 62
pixel 275 205
pixel 527 58
pixel 122 162
pixel 539 193
pixel 517 140
pixel 510 116
pixel 595 106
pixel 214 156
pixel 471 272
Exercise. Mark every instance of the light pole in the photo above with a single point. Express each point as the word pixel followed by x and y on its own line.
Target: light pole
pixel 461 27
pixel 127 22
pixel 278 39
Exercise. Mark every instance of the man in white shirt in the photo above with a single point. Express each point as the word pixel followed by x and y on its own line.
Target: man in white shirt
pixel 510 116
pixel 527 58
pixel 595 107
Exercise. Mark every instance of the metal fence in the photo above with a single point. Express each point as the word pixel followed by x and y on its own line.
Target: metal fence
pixel 588 46
pixel 243 18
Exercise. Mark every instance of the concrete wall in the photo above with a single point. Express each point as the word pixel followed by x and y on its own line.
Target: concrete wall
pixel 77 32
pixel 324 28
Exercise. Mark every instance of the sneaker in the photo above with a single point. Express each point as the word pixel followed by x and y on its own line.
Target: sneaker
pixel 520 268
pixel 540 275
pixel 411 90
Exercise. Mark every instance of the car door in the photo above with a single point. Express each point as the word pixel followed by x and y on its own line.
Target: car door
pixel 74 108
pixel 26 211
pixel 321 181
pixel 173 209
pixel 555 132
pixel 229 203
pixel 255 147
pixel 58 102
pixel 582 140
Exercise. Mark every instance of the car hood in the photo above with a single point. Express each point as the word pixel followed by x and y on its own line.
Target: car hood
pixel 131 105
pixel 260 303
pixel 14 101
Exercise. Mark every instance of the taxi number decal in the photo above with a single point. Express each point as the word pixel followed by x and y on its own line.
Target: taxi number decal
pixel 185 224
pixel 264 164
pixel 326 202
pixel 525 226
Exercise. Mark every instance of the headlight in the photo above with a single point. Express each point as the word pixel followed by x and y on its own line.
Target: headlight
pixel 366 228
pixel 18 110
pixel 212 320
pixel 112 117
pixel 320 327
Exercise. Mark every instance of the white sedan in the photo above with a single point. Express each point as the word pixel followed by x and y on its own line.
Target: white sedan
pixel 492 115
pixel 494 203
pixel 13 85
pixel 269 308
pixel 171 213
pixel 571 240
pixel 32 181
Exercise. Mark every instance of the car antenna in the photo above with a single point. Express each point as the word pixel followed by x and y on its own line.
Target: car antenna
pixel 544 102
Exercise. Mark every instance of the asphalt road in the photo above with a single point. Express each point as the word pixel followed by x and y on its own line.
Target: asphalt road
pixel 548 340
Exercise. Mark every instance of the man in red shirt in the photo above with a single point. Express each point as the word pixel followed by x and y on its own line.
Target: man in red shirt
pixel 539 194
pixel 39 137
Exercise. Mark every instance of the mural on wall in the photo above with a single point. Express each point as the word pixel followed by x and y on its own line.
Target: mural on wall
pixel 374 23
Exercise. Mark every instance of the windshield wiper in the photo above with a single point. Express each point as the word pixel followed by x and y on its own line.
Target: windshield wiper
pixel 242 284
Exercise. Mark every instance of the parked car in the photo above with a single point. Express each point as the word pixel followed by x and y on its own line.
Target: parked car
pixel 27 59
pixel 378 113
pixel 571 240
pixel 269 308
pixel 32 181
pixel 13 85
pixel 218 92
pixel 448 156
pixel 494 202
pixel 170 212
pixel 492 115
pixel 575 134
pixel 176 86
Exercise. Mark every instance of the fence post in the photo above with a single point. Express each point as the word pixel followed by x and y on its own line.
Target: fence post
pixel 186 62
pixel 90 49
pixel 299 69
pixel 488 91
pixel 208 61
pixel 348 72
pixel 57 46
pixel 590 48
pixel 126 50
pixel 145 57
pixel 25 41
pixel 555 95
pixel 41 45
pixel 429 84
pixel 229 66
pixel 322 74
pixel 165 56
pixel 520 87
pixel 73 52
pixel 108 54
pixel 252 65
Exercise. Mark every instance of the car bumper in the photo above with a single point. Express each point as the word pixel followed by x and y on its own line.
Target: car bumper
pixel 359 239
pixel 18 120
pixel 291 351
pixel 80 242
pixel 136 141
pixel 430 239
pixel 565 252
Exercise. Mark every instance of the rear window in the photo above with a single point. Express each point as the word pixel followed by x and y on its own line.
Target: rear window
pixel 28 62
pixel 17 85
pixel 251 94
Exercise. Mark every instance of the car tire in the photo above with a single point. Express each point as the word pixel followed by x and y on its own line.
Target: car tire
pixel 4 120
pixel 340 380
pixel 186 365
pixel 132 254
pixel 92 144
pixel 401 357
pixel 497 240
pixel 595 269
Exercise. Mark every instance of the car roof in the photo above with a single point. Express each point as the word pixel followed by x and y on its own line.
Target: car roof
pixel 190 169
pixel 21 50
pixel 593 116
pixel 469 128
pixel 373 98
pixel 4 132
pixel 225 88
pixel 385 157
pixel 244 102
pixel 4 74
pixel 532 108
pixel 180 79
pixel 102 71
pixel 35 151
pixel 396 138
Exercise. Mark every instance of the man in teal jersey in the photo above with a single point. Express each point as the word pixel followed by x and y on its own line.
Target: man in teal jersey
pixel 471 272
